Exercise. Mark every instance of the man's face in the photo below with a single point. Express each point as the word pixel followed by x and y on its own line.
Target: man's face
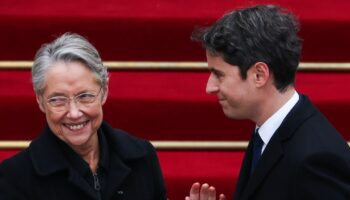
pixel 235 95
pixel 76 123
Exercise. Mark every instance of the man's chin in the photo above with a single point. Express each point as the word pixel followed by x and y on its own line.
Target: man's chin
pixel 231 115
pixel 228 114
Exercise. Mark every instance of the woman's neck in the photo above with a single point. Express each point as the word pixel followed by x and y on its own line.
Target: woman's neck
pixel 90 153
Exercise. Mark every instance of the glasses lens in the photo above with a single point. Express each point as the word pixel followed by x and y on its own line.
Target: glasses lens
pixel 85 98
pixel 57 101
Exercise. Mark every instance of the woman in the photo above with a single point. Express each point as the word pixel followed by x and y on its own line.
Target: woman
pixel 78 155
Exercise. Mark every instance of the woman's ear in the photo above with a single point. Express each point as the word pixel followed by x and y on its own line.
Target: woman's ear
pixel 105 94
pixel 261 73
pixel 39 100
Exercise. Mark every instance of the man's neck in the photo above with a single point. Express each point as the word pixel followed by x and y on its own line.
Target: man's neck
pixel 272 103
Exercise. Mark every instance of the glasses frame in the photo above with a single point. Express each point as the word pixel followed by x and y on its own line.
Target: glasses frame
pixel 69 99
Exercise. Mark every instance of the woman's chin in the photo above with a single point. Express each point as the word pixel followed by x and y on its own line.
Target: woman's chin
pixel 77 137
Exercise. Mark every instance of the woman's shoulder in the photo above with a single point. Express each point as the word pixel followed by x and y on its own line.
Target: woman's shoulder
pixel 120 135
pixel 125 144
pixel 17 166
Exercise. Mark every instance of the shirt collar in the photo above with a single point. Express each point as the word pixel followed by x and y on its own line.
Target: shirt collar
pixel 269 127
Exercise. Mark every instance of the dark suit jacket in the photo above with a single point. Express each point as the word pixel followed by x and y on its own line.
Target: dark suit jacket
pixel 42 172
pixel 306 158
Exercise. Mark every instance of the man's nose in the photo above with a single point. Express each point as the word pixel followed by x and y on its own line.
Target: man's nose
pixel 212 85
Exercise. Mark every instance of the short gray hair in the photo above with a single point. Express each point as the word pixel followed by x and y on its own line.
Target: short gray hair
pixel 67 48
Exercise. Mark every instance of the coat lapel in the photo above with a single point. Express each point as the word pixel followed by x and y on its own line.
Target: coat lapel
pixel 46 155
pixel 124 150
pixel 52 160
pixel 81 184
pixel 116 176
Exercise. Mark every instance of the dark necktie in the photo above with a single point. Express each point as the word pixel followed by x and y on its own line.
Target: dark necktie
pixel 257 147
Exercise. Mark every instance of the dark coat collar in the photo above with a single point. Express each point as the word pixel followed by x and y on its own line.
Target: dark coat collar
pixel 47 157
pixel 246 186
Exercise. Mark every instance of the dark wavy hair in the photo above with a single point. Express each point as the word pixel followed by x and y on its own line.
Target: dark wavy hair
pixel 264 33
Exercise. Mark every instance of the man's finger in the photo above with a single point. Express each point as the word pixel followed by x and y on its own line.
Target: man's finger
pixel 204 193
pixel 194 192
pixel 211 193
pixel 222 197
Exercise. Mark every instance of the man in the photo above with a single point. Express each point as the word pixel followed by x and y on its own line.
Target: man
pixel 253 55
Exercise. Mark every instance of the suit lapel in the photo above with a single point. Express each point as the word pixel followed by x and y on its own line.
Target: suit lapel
pixel 244 172
pixel 268 160
pixel 246 186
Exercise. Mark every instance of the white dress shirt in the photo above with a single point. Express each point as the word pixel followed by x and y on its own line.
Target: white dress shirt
pixel 269 127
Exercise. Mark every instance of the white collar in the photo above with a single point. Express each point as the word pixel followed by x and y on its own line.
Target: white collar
pixel 269 127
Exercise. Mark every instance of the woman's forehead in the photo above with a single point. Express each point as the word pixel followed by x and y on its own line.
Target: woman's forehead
pixel 75 75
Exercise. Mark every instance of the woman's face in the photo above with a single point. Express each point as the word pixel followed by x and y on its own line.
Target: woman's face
pixel 72 100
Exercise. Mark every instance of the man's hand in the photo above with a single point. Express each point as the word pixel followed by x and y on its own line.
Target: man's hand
pixel 204 192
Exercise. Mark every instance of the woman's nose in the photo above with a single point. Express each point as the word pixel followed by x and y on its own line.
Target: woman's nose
pixel 74 110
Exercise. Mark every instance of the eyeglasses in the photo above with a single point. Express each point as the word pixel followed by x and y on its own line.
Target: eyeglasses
pixel 59 103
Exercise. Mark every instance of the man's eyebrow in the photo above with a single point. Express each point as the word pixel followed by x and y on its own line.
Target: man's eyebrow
pixel 214 70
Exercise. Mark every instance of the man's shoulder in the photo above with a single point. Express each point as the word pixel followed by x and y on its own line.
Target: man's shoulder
pixel 316 135
pixel 307 119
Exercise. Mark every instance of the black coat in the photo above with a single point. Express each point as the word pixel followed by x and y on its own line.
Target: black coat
pixel 41 172
pixel 305 159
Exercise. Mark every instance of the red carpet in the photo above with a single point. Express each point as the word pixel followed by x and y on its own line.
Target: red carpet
pixel 166 105
pixel 158 29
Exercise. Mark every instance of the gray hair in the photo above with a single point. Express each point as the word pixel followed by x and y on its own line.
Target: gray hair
pixel 67 48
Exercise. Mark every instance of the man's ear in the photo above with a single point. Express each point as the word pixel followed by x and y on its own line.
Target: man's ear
pixel 39 100
pixel 261 73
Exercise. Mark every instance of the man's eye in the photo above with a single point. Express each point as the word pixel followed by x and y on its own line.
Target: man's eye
pixel 217 74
